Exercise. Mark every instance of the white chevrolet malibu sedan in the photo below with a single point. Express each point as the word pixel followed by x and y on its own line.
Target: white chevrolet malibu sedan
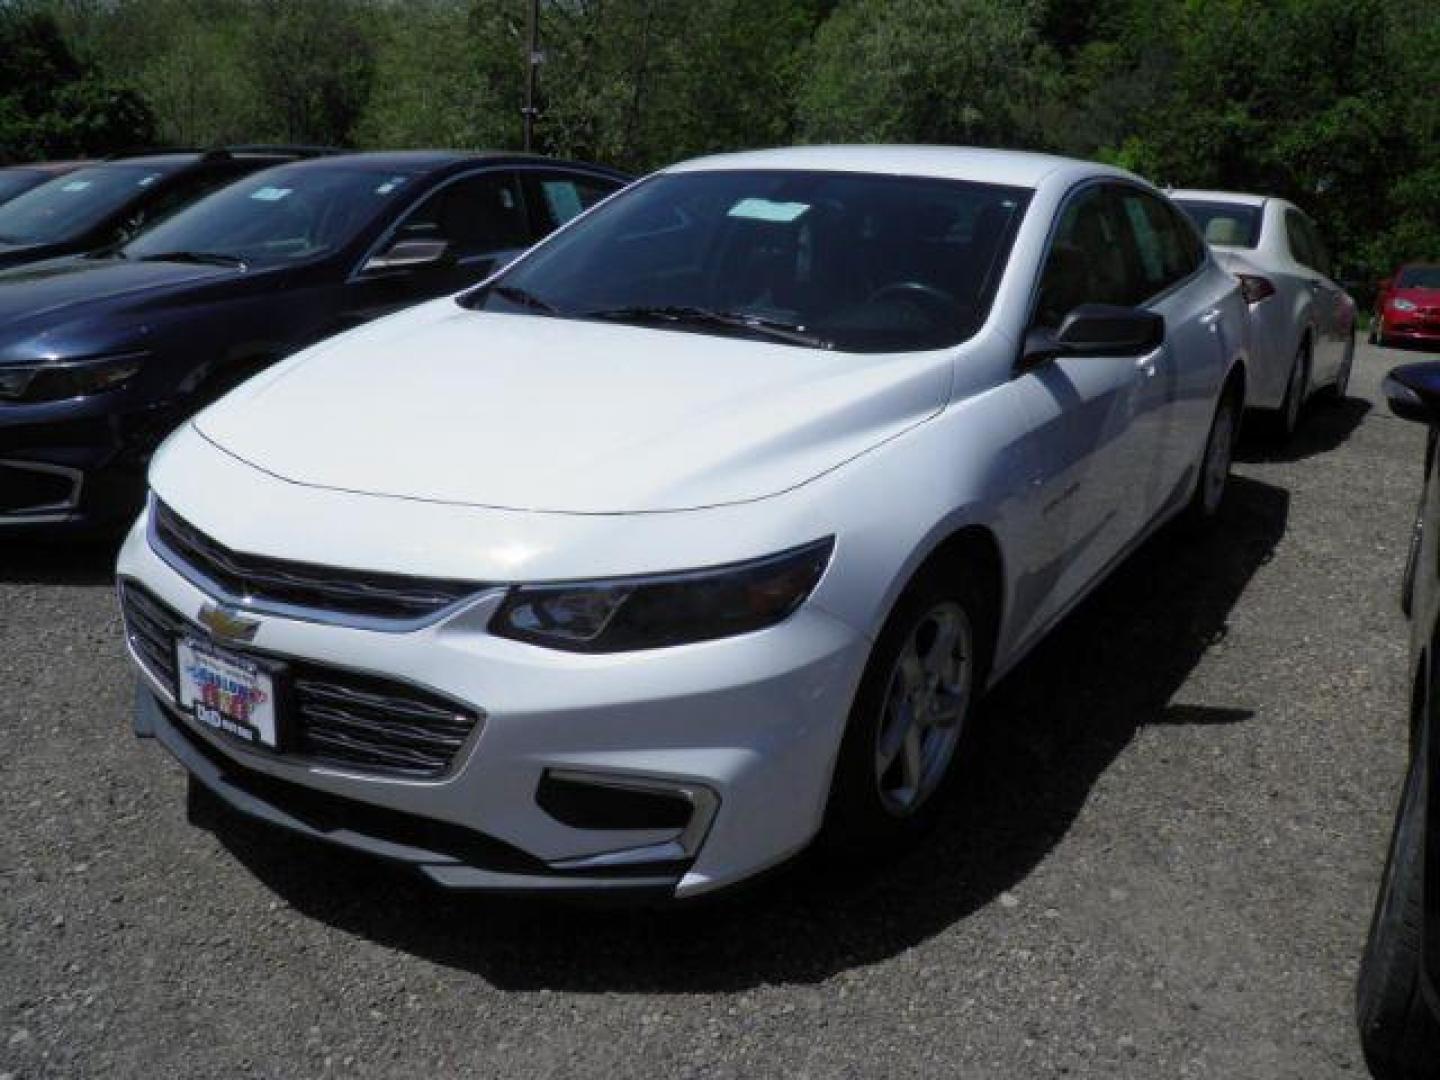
pixel 1302 337
pixel 697 531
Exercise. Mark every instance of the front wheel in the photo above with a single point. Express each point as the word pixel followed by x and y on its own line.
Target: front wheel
pixel 1214 467
pixel 1399 1035
pixel 919 689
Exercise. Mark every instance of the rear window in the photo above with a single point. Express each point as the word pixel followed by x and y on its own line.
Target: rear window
pixel 1224 224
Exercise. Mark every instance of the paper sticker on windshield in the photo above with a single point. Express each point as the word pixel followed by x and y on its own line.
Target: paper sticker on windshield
pixel 271 194
pixel 765 210
pixel 390 185
pixel 76 185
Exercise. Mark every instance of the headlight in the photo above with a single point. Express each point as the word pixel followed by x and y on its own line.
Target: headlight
pixel 1401 304
pixel 55 380
pixel 666 609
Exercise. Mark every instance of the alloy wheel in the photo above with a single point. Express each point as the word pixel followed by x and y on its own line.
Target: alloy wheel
pixel 926 700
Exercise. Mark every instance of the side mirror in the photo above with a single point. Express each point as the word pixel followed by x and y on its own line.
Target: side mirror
pixel 408 254
pixel 1097 330
pixel 1413 391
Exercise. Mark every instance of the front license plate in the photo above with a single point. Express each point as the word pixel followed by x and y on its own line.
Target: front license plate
pixel 227 693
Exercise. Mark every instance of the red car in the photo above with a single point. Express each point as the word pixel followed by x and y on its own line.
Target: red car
pixel 1408 307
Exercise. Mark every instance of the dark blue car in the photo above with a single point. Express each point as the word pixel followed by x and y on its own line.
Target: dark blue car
pixel 104 203
pixel 102 356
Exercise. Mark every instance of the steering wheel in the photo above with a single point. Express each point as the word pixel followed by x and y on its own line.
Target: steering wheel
pixel 928 295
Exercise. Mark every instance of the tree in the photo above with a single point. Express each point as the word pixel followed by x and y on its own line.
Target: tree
pixel 941 71
pixel 52 104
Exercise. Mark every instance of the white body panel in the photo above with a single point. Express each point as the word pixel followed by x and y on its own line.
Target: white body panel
pixel 447 443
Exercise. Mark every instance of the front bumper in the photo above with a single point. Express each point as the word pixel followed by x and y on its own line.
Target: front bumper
pixel 75 465
pixel 748 726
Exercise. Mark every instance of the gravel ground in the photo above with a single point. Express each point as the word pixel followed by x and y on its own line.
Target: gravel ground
pixel 1159 861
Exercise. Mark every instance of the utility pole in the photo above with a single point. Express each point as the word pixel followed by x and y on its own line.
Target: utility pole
pixel 532 64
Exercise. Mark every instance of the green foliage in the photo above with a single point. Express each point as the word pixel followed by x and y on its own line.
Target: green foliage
pixel 54 105
pixel 1329 102
pixel 931 71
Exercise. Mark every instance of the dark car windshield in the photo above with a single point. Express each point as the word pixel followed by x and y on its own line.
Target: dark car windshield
pixel 838 260
pixel 277 216
pixel 14 181
pixel 1418 277
pixel 71 204
pixel 1225 224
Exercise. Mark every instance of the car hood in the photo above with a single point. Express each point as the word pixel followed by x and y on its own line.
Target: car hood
pixel 523 412
pixel 52 290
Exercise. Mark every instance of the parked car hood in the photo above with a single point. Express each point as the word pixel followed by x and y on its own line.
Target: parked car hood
pixel 51 291
pixel 523 412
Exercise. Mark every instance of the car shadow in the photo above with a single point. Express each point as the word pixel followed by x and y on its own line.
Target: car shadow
pixel 1325 426
pixel 87 562
pixel 1037 747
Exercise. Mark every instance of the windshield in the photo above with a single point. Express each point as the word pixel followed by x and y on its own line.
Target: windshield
pixel 1418 277
pixel 70 205
pixel 1225 224
pixel 14 181
pixel 277 216
pixel 826 259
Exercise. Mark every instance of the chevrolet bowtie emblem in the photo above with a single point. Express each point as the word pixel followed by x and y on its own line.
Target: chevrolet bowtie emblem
pixel 228 623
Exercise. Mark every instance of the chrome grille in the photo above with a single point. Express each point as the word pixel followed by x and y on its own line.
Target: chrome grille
pixel 282 586
pixel 331 716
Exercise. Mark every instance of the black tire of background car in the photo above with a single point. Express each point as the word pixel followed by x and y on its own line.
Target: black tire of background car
pixel 857 824
pixel 1196 515
pixel 1399 1035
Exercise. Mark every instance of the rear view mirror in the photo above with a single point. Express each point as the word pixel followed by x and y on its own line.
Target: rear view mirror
pixel 407 254
pixel 1097 330
pixel 1413 391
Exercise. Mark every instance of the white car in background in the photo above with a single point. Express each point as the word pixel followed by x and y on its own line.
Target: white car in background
pixel 695 531
pixel 1302 321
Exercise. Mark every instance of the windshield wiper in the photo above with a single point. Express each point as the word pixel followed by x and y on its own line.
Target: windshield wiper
pixel 208 258
pixel 726 320
pixel 524 298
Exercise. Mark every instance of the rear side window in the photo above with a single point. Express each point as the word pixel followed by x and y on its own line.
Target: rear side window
pixel 1224 224
pixel 558 197
pixel 1298 237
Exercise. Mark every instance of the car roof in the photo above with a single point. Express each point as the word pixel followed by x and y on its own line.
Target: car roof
pixel 54 168
pixel 1240 197
pixel 1012 167
pixel 426 160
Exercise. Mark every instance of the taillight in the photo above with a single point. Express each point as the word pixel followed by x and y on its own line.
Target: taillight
pixel 1255 288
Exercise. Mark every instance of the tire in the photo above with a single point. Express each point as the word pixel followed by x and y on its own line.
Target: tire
pixel 1398 1034
pixel 1213 472
pixel 1373 335
pixel 1292 409
pixel 873 807
pixel 1335 392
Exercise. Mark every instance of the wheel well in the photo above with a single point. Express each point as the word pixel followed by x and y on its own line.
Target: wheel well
pixel 973 552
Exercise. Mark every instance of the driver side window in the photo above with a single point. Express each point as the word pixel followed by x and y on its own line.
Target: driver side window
pixel 1087 260
pixel 475 215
